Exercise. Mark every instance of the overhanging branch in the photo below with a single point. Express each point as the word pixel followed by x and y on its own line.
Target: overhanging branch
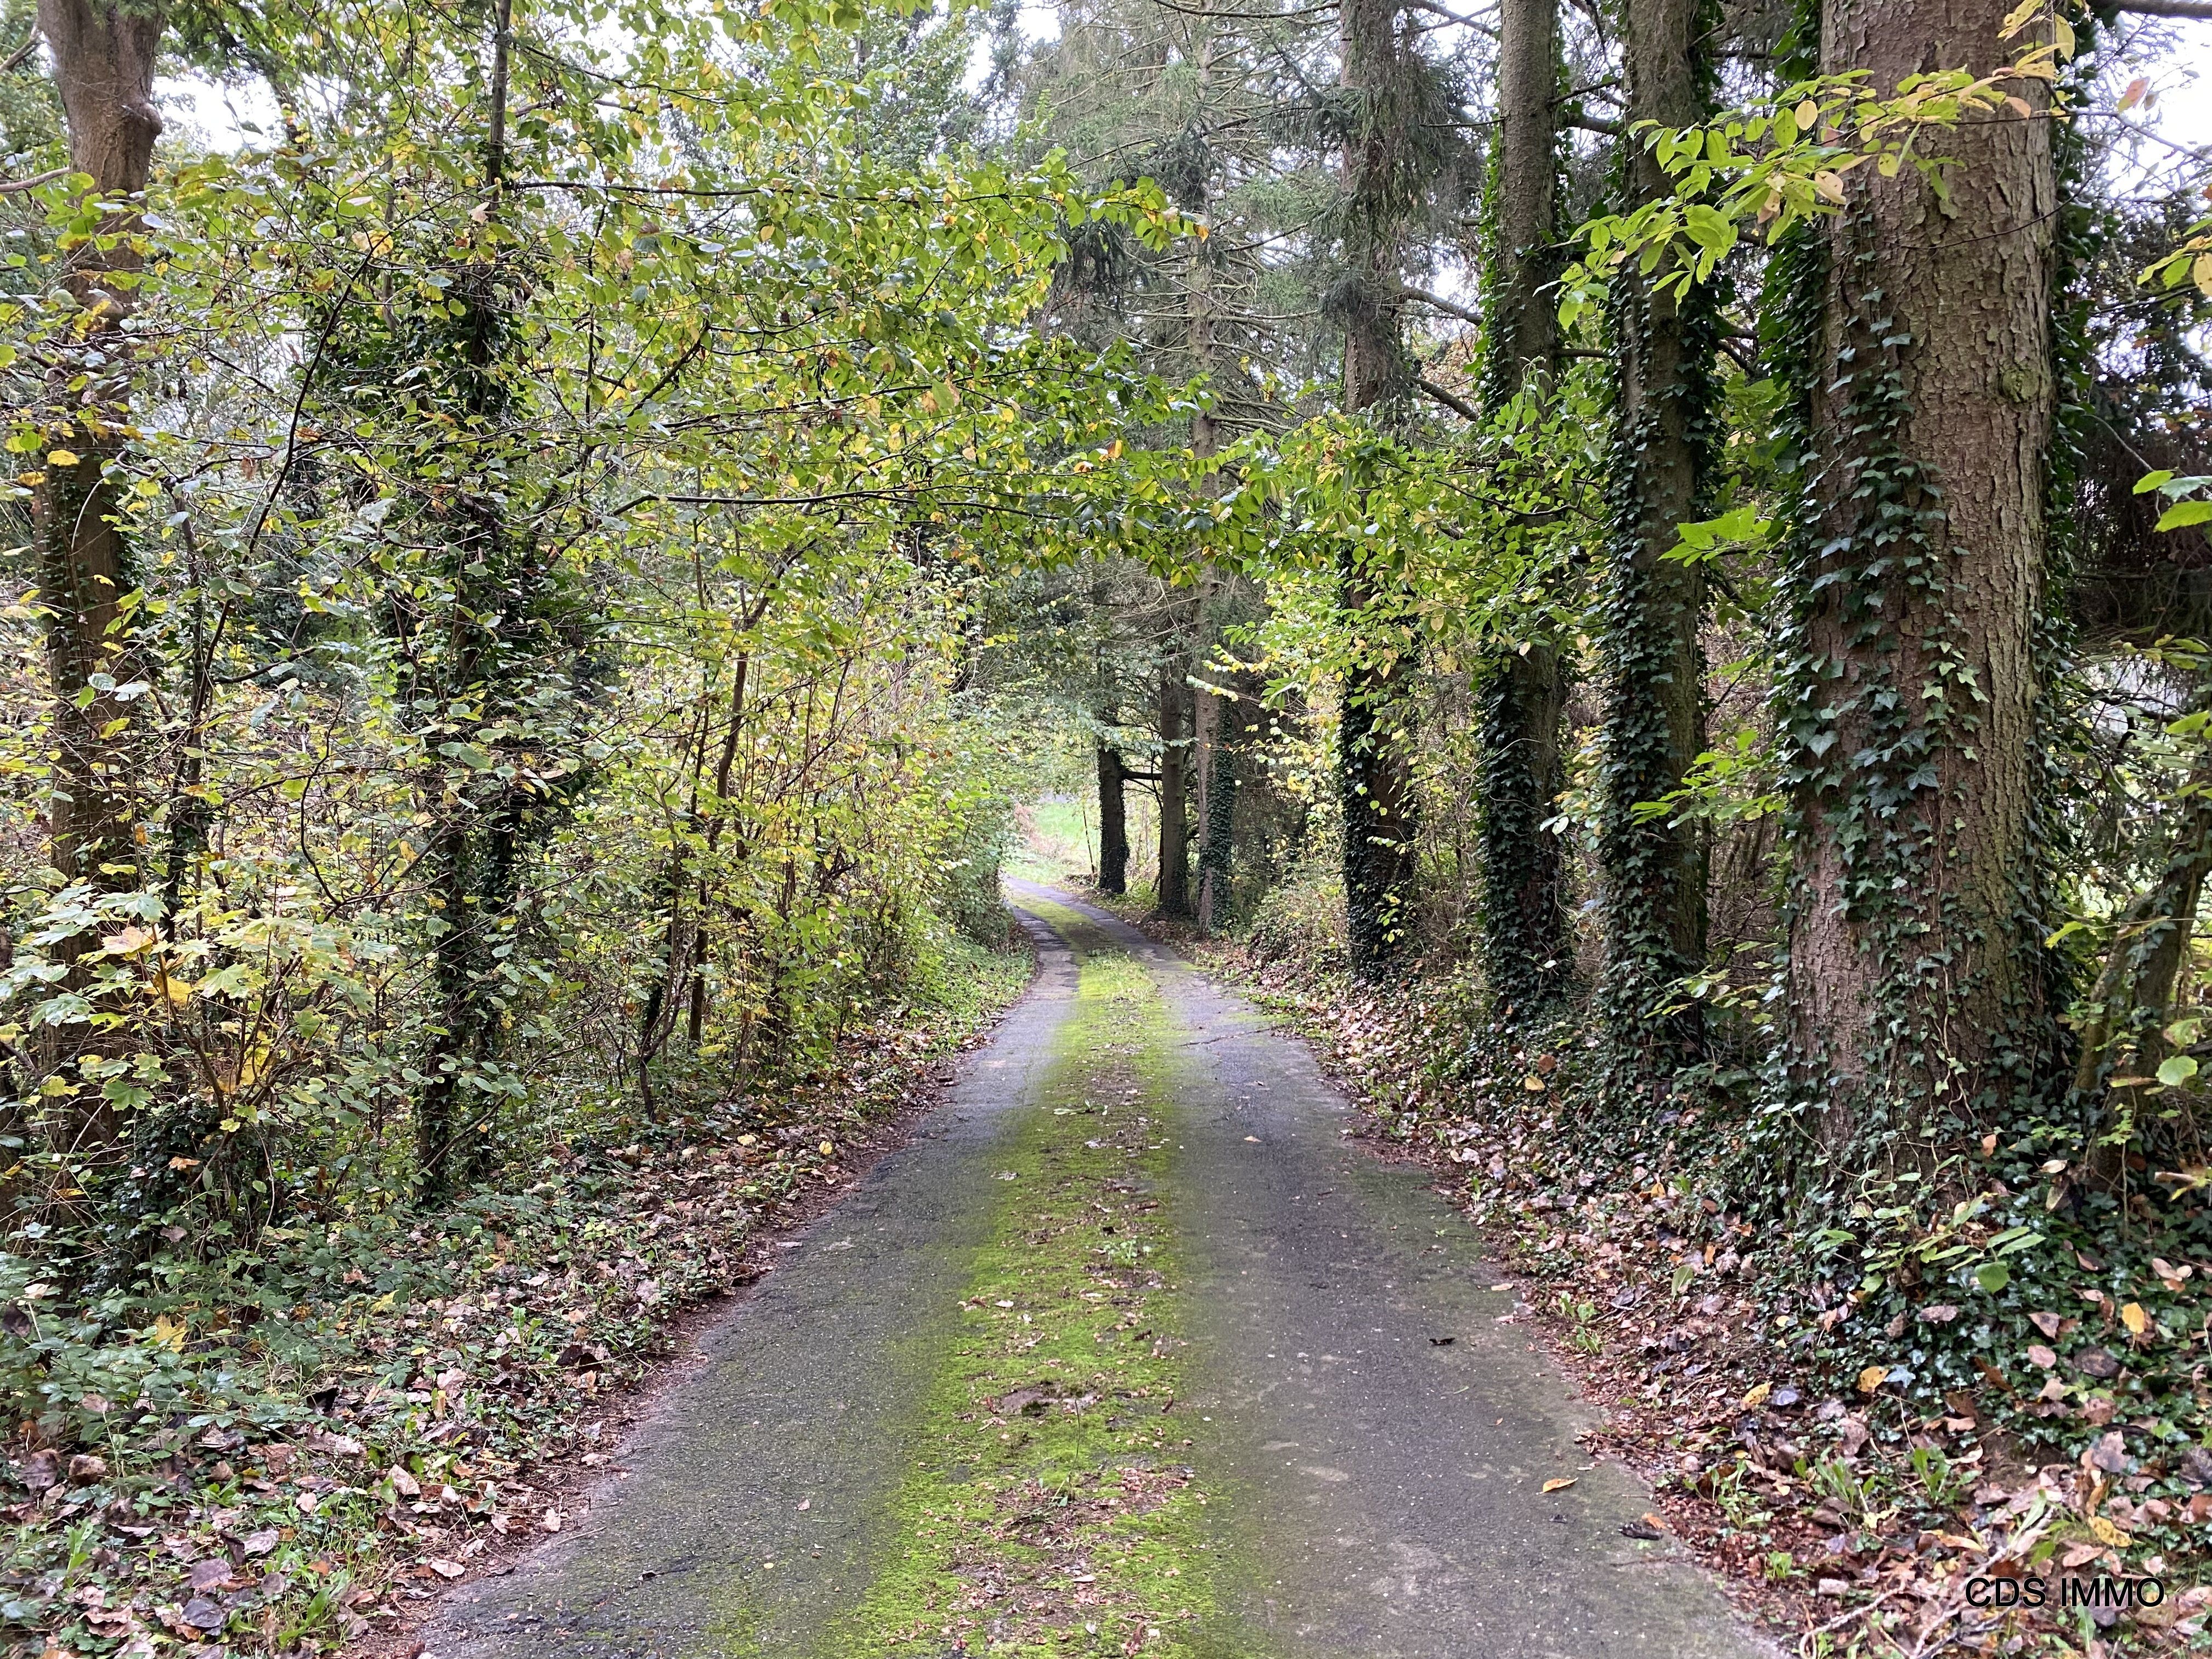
pixel 1465 412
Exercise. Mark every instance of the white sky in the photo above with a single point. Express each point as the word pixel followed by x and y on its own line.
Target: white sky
pixel 2173 53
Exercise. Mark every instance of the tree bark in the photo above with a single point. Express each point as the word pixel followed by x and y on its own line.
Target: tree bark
pixel 477 849
pixel 1204 743
pixel 1917 582
pixel 1524 323
pixel 1217 841
pixel 1528 955
pixel 1173 898
pixel 104 55
pixel 1375 778
pixel 1112 822
pixel 1666 443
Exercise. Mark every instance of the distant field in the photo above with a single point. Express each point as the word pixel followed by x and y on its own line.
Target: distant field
pixel 1060 838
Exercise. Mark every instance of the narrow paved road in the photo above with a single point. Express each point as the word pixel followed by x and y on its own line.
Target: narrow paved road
pixel 1127 1351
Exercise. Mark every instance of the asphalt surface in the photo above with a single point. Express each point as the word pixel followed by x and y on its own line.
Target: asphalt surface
pixel 1380 1424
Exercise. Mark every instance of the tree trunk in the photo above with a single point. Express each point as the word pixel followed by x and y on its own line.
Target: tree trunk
pixel 1917 587
pixel 1173 895
pixel 1375 780
pixel 475 850
pixel 1205 738
pixel 104 55
pixel 1666 444
pixel 1523 323
pixel 1527 956
pixel 1112 822
pixel 2122 1039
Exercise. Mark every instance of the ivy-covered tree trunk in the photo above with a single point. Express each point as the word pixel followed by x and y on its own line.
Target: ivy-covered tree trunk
pixel 1527 956
pixel 1205 740
pixel 1216 820
pixel 499 633
pixel 1666 439
pixel 104 54
pixel 1924 343
pixel 1113 821
pixel 104 60
pixel 1173 898
pixel 1374 750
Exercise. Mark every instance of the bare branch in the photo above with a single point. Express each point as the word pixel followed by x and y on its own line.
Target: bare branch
pixel 21 55
pixel 1444 306
pixel 1464 410
pixel 17 186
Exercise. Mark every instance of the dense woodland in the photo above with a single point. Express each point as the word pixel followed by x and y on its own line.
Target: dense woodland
pixel 1656 549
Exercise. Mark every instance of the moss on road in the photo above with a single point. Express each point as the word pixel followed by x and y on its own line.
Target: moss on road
pixel 1052 1504
pixel 1131 1350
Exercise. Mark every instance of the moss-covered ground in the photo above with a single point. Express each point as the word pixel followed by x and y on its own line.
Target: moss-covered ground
pixel 1053 1502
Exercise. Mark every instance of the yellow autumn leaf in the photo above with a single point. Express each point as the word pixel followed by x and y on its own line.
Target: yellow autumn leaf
pixel 1758 1396
pixel 179 991
pixel 61 458
pixel 1873 1378
pixel 2135 1319
pixel 169 1331
pixel 2108 1533
pixel 1560 1483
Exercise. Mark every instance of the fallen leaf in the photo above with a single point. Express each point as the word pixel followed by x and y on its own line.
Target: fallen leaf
pixel 1559 1483
pixel 1873 1378
pixel 2135 1319
pixel 2107 1533
pixel 260 1543
pixel 211 1574
pixel 551 1521
pixel 2040 1355
pixel 445 1569
pixel 1757 1396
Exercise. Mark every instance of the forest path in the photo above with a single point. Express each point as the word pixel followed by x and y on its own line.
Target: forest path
pixel 1127 1351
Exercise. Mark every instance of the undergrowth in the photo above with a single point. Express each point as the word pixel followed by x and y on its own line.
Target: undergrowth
pixel 272 1452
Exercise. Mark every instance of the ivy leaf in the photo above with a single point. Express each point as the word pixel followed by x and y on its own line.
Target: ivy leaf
pixel 1993 1276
